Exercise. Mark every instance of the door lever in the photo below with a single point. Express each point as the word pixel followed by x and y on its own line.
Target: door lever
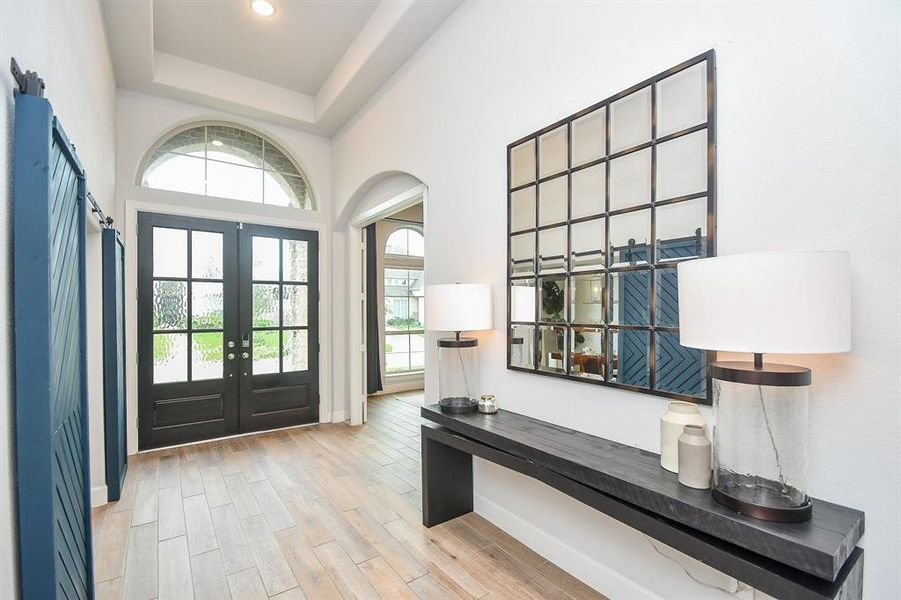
pixel 231 356
pixel 245 355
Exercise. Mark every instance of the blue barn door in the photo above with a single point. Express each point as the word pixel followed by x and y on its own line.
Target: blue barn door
pixel 51 392
pixel 114 362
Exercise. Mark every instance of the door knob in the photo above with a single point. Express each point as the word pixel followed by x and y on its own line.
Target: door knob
pixel 231 356
pixel 245 355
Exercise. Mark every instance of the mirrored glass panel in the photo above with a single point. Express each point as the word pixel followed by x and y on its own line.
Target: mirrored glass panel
pixel 588 298
pixel 587 356
pixel 630 180
pixel 170 252
pixel 170 305
pixel 552 249
pixel 265 258
pixel 170 357
pixel 522 254
pixel 206 255
pixel 522 300
pixel 630 297
pixel 630 234
pixel 682 230
pixel 206 355
pixel 553 152
pixel 587 243
pixel 551 345
pixel 265 352
pixel 682 100
pixel 630 120
pixel 522 346
pixel 522 164
pixel 589 137
pixel 682 166
pixel 552 201
pixel 629 352
pixel 667 305
pixel 679 369
pixel 589 191
pixel 552 291
pixel 522 209
pixel 206 305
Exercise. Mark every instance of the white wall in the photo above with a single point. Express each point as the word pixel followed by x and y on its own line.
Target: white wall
pixel 141 121
pixel 808 157
pixel 66 44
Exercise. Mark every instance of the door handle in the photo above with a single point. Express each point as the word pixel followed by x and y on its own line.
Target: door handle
pixel 245 355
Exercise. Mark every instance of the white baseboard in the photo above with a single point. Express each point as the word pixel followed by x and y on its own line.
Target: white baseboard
pixel 339 416
pixel 582 567
pixel 98 496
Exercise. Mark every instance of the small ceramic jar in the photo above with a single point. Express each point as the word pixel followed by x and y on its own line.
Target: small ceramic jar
pixel 694 458
pixel 677 416
pixel 487 404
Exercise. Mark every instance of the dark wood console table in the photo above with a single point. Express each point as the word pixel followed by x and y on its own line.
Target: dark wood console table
pixel 814 560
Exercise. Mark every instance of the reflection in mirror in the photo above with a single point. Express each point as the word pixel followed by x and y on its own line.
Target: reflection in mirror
pixel 589 137
pixel 630 120
pixel 666 309
pixel 553 298
pixel 630 293
pixel 587 243
pixel 679 369
pixel 588 191
pixel 630 180
pixel 522 346
pixel 522 254
pixel 522 209
pixel 552 249
pixel 552 201
pixel 682 100
pixel 682 230
pixel 522 164
pixel 522 301
pixel 551 342
pixel 629 237
pixel 552 151
pixel 682 166
pixel 629 350
pixel 588 298
pixel 587 357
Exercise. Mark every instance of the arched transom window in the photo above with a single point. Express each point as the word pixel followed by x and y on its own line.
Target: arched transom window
pixel 405 242
pixel 227 162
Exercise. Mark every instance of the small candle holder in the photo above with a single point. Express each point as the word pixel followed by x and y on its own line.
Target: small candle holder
pixel 488 404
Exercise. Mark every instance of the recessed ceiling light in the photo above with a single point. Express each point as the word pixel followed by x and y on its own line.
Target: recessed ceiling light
pixel 263 8
pixel 216 143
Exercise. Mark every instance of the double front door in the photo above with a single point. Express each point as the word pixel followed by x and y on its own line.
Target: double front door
pixel 228 329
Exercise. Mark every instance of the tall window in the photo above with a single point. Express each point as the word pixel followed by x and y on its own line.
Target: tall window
pixel 227 162
pixel 404 303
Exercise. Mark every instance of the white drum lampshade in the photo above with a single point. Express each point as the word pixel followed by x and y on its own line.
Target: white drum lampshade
pixel 458 307
pixel 784 302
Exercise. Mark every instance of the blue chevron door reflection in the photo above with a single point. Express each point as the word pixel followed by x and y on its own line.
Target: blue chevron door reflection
pixel 51 393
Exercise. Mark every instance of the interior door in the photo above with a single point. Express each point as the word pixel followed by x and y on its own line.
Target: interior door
pixel 187 329
pixel 279 344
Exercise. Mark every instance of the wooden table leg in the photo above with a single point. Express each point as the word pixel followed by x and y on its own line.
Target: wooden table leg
pixel 446 481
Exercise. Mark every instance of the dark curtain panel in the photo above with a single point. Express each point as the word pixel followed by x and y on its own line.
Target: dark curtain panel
pixel 373 368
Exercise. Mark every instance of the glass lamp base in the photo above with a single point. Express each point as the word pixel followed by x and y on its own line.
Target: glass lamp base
pixel 759 498
pixel 459 405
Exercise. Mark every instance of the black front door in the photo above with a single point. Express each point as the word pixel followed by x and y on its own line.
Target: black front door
pixel 227 328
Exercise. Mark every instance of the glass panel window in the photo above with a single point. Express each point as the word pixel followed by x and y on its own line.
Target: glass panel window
pixel 405 242
pixel 170 252
pixel 404 315
pixel 176 173
pixel 170 357
pixel 265 259
pixel 265 305
pixel 294 260
pixel 170 304
pixel 295 350
pixel 206 305
pixel 206 255
pixel 294 305
pixel 265 352
pixel 206 356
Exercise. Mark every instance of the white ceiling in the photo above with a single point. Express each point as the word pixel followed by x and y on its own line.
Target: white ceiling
pixel 312 65
pixel 296 48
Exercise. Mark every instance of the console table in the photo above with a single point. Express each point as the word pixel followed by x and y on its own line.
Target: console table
pixel 814 560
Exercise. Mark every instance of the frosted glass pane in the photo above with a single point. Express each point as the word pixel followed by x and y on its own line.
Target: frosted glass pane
pixel 206 255
pixel 682 100
pixel 177 173
pixel 206 305
pixel 630 298
pixel 522 346
pixel 265 259
pixel 552 201
pixel 522 209
pixel 295 350
pixel 553 298
pixel 552 249
pixel 265 305
pixel 682 230
pixel 630 180
pixel 588 191
pixel 234 181
pixel 170 357
pixel 522 164
pixel 682 166
pixel 294 305
pixel 587 245
pixel 588 298
pixel 630 120
pixel 206 356
pixel 551 341
pixel 522 253
pixel 170 252
pixel 265 352
pixel 587 357
pixel 630 235
pixel 552 151
pixel 589 137
pixel 294 257
pixel 170 305
pixel 629 352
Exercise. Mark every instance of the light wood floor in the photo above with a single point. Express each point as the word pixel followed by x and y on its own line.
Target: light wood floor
pixel 319 512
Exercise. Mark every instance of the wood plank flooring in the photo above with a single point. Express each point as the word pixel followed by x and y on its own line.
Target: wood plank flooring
pixel 321 512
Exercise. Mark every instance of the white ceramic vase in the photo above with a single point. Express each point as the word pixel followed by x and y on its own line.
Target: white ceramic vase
pixel 672 423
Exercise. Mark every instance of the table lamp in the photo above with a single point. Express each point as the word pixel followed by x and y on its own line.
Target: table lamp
pixel 458 307
pixel 782 302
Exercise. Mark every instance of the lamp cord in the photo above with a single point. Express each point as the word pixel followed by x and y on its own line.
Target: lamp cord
pixel 463 368
pixel 769 430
